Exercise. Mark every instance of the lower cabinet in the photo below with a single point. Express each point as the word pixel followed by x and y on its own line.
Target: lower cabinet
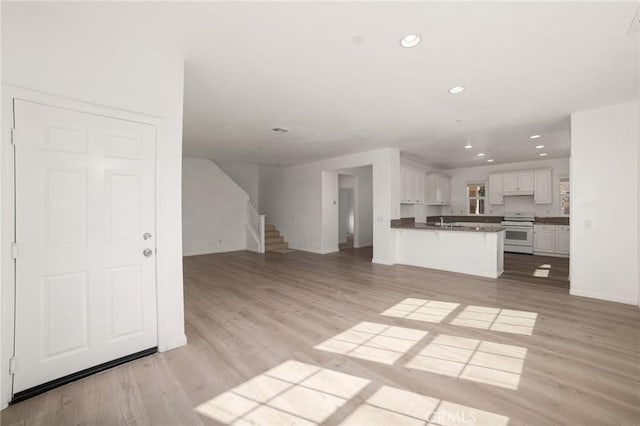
pixel 551 240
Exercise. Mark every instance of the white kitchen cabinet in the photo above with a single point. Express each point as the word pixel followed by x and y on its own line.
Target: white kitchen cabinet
pixel 438 189
pixel 542 193
pixel 551 240
pixel 544 238
pixel 412 182
pixel 518 183
pixel 562 239
pixel 496 188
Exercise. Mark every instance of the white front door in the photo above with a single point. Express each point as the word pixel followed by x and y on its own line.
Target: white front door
pixel 85 215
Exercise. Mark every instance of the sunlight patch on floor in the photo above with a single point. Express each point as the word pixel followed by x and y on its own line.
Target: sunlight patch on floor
pixel 421 310
pixel 291 393
pixel 392 406
pixel 373 342
pixel 541 273
pixel 471 359
pixel 506 320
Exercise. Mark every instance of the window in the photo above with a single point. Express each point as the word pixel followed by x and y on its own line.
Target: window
pixel 565 197
pixel 475 198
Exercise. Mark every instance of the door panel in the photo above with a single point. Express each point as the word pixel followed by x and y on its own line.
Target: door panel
pixel 85 195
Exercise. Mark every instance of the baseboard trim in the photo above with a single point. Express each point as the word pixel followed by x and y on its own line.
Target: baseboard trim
pixel 174 343
pixel 45 387
pixel 309 250
pixel 382 262
pixel 602 297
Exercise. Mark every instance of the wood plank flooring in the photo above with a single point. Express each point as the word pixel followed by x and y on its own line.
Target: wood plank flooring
pixel 534 269
pixel 302 339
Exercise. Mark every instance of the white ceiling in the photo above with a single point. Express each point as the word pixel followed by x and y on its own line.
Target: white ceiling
pixel 250 67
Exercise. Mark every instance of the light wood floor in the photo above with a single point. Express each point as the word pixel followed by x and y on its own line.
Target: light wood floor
pixel 280 321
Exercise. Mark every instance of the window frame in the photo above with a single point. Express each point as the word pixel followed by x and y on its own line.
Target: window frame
pixel 469 198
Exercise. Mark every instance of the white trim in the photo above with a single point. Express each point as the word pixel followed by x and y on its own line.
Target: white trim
pixel 382 262
pixel 314 251
pixel 7 231
pixel 603 297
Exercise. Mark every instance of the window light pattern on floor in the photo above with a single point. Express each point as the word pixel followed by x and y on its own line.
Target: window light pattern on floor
pixel 374 342
pixel 506 320
pixel 291 393
pixel 476 360
pixel 421 310
pixel 542 271
pixel 392 406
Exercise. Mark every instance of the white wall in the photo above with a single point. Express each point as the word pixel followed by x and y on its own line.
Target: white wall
pixel 604 203
pixel 419 211
pixel 463 176
pixel 97 68
pixel 247 175
pixel 363 197
pixel 214 209
pixel 299 200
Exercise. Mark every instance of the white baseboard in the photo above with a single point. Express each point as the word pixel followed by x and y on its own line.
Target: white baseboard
pixel 382 262
pixel 602 297
pixel 174 343
pixel 203 252
pixel 310 250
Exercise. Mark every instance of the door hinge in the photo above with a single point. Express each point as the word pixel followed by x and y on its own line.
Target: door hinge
pixel 14 250
pixel 13 136
pixel 12 365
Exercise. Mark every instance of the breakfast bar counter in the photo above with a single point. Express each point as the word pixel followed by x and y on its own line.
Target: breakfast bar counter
pixel 475 250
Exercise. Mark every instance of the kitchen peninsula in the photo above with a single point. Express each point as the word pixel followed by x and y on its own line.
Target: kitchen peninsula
pixel 475 250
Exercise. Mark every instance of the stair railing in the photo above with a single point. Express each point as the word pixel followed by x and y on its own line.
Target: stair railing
pixel 255 226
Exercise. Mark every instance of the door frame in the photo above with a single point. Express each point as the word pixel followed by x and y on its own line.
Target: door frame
pixel 7 220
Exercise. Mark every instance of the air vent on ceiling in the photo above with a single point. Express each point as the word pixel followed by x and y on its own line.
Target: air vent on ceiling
pixel 279 130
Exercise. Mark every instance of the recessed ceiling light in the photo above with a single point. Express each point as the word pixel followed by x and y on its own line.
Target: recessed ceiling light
pixel 456 89
pixel 543 154
pixel 468 145
pixel 534 136
pixel 410 40
pixel 490 160
pixel 279 130
pixel 539 146
pixel 481 154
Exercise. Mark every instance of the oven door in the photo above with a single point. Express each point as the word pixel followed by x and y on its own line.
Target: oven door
pixel 518 236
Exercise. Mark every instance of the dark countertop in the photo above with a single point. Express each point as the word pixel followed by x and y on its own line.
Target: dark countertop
pixel 475 219
pixel 556 220
pixel 409 223
pixel 561 220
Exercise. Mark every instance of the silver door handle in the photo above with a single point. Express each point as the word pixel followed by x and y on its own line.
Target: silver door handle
pixel 146 236
pixel 147 252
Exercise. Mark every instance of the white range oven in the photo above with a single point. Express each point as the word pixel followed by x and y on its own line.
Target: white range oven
pixel 518 236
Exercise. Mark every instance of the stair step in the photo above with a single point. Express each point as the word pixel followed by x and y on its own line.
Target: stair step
pixel 273 240
pixel 276 246
pixel 270 234
pixel 269 227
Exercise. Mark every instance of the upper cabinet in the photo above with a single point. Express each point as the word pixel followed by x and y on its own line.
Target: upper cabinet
pixel 536 183
pixel 438 189
pixel 518 183
pixel 496 188
pixel 542 193
pixel 412 186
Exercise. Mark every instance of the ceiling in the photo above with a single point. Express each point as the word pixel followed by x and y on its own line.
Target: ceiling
pixel 336 76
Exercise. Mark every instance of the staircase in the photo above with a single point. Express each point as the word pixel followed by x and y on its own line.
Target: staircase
pixel 273 241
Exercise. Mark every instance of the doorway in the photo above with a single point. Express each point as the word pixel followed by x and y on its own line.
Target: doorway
pixel 346 216
pixel 85 219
